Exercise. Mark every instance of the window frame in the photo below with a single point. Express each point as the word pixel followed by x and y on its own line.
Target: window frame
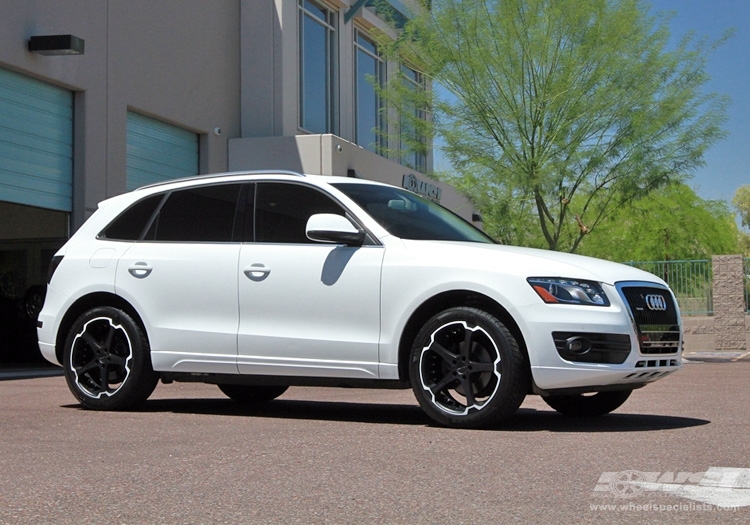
pixel 330 25
pixel 378 145
pixel 406 155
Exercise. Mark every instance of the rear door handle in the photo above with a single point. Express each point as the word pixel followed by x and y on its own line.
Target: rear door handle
pixel 140 270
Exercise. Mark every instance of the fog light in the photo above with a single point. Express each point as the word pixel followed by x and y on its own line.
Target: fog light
pixel 577 345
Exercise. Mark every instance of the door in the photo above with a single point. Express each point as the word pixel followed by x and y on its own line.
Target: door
pixel 306 308
pixel 182 278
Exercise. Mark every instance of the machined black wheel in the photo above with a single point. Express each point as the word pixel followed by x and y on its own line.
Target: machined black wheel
pixel 107 360
pixel 588 405
pixel 466 369
pixel 252 393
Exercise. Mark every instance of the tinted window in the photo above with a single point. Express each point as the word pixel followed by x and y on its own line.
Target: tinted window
pixel 410 216
pixel 204 214
pixel 282 210
pixel 132 222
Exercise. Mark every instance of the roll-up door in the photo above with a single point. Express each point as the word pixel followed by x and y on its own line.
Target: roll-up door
pixel 158 151
pixel 36 143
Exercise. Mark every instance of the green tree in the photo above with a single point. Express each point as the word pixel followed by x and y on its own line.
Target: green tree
pixel 741 203
pixel 559 112
pixel 671 223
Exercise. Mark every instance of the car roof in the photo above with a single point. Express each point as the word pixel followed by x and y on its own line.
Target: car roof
pixel 250 176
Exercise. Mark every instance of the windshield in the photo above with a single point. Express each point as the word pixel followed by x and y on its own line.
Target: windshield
pixel 409 216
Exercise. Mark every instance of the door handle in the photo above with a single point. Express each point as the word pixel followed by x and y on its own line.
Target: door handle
pixel 140 270
pixel 256 272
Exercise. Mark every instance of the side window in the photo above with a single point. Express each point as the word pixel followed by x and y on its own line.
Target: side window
pixel 132 222
pixel 282 210
pixel 202 214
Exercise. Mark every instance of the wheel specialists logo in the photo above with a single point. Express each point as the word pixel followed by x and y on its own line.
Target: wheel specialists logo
pixel 717 488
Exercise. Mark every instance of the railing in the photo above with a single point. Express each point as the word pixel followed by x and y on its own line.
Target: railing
pixel 746 274
pixel 690 281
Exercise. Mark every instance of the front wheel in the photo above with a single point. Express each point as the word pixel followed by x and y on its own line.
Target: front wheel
pixel 591 405
pixel 467 370
pixel 107 360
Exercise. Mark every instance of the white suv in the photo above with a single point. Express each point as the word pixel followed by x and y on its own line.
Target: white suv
pixel 257 281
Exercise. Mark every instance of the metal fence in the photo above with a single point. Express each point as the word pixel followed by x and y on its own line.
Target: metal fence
pixel 746 275
pixel 691 282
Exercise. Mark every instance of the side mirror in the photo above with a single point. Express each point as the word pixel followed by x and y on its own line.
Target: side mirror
pixel 336 229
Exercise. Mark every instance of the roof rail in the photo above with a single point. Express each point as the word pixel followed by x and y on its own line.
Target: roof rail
pixel 220 175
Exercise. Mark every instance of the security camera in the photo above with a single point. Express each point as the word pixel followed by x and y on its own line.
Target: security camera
pixel 217 131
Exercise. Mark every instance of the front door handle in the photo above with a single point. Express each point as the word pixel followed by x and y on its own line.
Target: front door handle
pixel 256 272
pixel 140 270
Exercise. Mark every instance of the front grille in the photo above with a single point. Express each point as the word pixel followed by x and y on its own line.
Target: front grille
pixel 655 316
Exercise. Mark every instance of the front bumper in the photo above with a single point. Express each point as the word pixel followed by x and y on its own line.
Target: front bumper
pixel 552 373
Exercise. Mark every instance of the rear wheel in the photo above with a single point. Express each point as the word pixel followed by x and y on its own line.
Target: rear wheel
pixel 107 360
pixel 252 393
pixel 588 405
pixel 466 369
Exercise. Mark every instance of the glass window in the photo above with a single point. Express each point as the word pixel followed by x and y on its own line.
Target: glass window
pixel 317 39
pixel 203 214
pixel 409 216
pixel 131 223
pixel 282 211
pixel 368 66
pixel 412 142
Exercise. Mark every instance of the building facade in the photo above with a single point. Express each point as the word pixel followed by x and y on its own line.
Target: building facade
pixel 146 90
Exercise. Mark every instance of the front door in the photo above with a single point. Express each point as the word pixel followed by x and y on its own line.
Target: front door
pixel 306 308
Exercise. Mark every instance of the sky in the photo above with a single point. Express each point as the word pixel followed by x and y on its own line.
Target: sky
pixel 728 161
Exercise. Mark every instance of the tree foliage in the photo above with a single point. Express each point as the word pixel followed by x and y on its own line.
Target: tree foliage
pixel 671 223
pixel 559 112
pixel 741 203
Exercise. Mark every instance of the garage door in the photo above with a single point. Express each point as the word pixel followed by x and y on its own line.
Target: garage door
pixel 36 143
pixel 158 151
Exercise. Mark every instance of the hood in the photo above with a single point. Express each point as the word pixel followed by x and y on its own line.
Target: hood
pixel 529 262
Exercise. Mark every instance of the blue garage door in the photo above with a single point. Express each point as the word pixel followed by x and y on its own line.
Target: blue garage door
pixel 36 143
pixel 158 151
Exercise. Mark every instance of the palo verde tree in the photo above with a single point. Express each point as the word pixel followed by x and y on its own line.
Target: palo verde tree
pixel 670 223
pixel 558 112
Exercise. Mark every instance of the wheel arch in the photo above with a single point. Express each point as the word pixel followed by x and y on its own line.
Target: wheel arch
pixel 443 301
pixel 85 303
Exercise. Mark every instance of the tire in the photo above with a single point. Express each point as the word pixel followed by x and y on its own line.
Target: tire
pixel 107 360
pixel 588 405
pixel 466 369
pixel 252 393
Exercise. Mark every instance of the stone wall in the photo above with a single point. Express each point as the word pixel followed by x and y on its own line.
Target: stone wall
pixel 729 327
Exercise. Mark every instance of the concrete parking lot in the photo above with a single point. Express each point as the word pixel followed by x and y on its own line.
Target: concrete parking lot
pixel 321 455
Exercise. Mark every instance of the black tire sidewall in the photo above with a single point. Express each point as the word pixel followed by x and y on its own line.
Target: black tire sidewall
pixel 514 373
pixel 252 393
pixel 595 405
pixel 140 382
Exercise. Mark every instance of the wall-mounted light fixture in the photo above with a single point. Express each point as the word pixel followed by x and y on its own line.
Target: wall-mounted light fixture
pixel 56 45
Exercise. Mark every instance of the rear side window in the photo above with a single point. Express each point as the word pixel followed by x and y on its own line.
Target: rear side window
pixel 203 214
pixel 130 225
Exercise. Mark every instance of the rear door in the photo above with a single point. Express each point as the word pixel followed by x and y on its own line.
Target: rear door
pixel 182 278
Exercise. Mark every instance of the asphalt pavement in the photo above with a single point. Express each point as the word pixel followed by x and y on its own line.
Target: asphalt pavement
pixel 678 451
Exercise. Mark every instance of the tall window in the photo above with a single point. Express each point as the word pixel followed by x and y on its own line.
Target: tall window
pixel 317 54
pixel 368 70
pixel 412 141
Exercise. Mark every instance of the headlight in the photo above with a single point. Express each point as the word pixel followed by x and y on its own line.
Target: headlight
pixel 568 291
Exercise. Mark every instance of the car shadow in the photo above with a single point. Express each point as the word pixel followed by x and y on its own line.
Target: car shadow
pixel 526 419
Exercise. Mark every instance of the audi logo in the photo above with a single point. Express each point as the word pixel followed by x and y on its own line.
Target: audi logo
pixel 656 302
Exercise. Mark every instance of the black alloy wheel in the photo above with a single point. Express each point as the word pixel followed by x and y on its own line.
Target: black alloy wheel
pixel 467 370
pixel 107 360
